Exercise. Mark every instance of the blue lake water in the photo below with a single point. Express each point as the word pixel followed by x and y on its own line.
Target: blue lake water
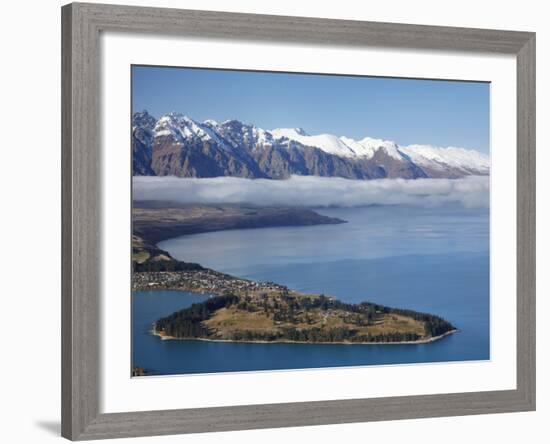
pixel 427 259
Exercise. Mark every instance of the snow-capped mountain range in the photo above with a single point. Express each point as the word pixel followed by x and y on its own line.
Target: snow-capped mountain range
pixel 177 145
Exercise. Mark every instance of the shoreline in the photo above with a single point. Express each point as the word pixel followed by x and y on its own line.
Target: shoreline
pixel 208 220
pixel 164 337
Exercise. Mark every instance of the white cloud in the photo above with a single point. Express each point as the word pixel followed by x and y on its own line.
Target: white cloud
pixel 315 191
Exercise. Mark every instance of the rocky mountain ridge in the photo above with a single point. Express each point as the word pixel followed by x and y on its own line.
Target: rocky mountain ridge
pixel 177 145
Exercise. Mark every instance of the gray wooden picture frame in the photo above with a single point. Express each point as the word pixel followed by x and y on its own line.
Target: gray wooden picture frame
pixel 81 171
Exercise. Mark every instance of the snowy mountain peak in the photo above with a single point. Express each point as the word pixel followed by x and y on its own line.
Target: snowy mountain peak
pixel 441 159
pixel 301 132
pixel 238 133
pixel 289 133
pixel 341 146
pixel 143 119
pixel 231 122
pixel 389 147
pixel 181 127
pixel 325 142
pixel 367 147
pixel 285 151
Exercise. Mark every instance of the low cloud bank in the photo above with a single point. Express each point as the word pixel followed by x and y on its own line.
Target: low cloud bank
pixel 313 191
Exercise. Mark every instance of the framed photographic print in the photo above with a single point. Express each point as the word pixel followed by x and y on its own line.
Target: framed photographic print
pixel 277 221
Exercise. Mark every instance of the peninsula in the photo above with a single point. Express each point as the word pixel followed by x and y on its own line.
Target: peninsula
pixel 157 221
pixel 244 310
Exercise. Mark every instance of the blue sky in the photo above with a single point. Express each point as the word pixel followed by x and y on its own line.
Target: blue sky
pixel 442 113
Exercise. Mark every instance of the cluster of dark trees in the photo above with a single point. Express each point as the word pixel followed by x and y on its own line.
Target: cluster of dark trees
pixel 340 334
pixel 166 265
pixel 343 334
pixel 188 323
